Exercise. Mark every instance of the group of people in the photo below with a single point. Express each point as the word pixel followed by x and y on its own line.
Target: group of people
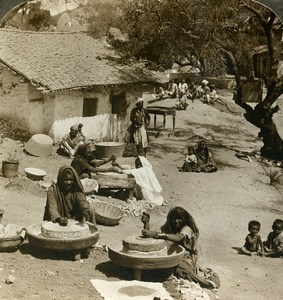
pixel 185 90
pixel 66 200
pixel 199 159
pixel 140 119
pixel 272 247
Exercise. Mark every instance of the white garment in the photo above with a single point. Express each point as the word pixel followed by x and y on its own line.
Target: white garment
pixel 204 82
pixel 147 182
pixel 191 158
pixel 183 87
pixel 11 230
pixel 140 136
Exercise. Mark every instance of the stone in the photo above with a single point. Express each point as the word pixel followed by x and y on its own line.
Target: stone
pixel 140 246
pixel 74 229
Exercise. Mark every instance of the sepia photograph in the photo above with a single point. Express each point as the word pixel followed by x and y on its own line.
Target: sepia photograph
pixel 141 144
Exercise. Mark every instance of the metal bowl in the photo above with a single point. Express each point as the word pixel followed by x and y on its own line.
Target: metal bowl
pixel 35 174
pixel 39 145
pixel 10 243
pixel 37 240
pixel 107 149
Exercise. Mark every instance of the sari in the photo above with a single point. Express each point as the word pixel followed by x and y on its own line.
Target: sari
pixel 189 268
pixel 204 161
pixel 69 204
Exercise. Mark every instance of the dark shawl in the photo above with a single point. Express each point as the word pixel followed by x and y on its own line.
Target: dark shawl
pixel 205 162
pixel 62 204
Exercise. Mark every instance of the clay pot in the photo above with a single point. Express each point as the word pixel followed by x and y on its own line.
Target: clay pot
pixel 10 168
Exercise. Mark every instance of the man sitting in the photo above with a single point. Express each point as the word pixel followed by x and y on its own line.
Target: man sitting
pixel 71 141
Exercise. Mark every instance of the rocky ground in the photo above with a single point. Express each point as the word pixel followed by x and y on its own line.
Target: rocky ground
pixel 222 203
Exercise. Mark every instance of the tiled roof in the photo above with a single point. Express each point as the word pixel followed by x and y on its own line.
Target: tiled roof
pixel 56 61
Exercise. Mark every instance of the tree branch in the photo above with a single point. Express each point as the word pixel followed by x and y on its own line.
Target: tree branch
pixel 255 12
pixel 189 34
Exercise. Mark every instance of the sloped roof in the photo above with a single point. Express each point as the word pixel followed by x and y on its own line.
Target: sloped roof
pixel 56 61
pixel 264 49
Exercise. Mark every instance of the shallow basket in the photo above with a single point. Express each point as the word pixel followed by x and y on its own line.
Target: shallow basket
pixel 107 213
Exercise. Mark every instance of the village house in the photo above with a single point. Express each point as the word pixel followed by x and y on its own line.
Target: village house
pixel 49 76
pixel 261 61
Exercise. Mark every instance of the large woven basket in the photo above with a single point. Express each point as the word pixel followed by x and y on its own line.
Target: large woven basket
pixel 107 213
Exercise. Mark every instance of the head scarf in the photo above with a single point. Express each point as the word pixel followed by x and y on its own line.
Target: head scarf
pixel 139 100
pixel 202 154
pixel 75 127
pixel 62 207
pixel 77 182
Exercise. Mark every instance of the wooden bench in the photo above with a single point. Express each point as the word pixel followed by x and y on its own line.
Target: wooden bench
pixel 115 181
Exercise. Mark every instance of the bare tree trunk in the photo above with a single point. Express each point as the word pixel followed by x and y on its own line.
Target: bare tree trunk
pixel 261 115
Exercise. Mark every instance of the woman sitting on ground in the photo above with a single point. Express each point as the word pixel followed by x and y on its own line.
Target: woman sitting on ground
pixel 84 163
pixel 66 199
pixel 181 228
pixel 203 161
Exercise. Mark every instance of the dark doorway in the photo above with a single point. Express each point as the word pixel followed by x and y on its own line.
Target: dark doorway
pixel 119 104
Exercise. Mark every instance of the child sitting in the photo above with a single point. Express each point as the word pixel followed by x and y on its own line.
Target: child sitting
pixel 191 157
pixel 190 164
pixel 273 247
pixel 253 244
pixel 213 95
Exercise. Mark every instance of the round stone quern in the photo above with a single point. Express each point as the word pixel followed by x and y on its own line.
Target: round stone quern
pixel 137 245
pixel 74 229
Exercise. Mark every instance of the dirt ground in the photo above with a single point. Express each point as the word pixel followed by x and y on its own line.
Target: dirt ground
pixel 222 203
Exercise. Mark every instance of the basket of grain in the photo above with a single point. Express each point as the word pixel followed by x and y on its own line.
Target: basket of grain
pixel 107 213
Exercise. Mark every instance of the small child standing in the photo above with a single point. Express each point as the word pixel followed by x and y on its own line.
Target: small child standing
pixel 253 244
pixel 273 247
